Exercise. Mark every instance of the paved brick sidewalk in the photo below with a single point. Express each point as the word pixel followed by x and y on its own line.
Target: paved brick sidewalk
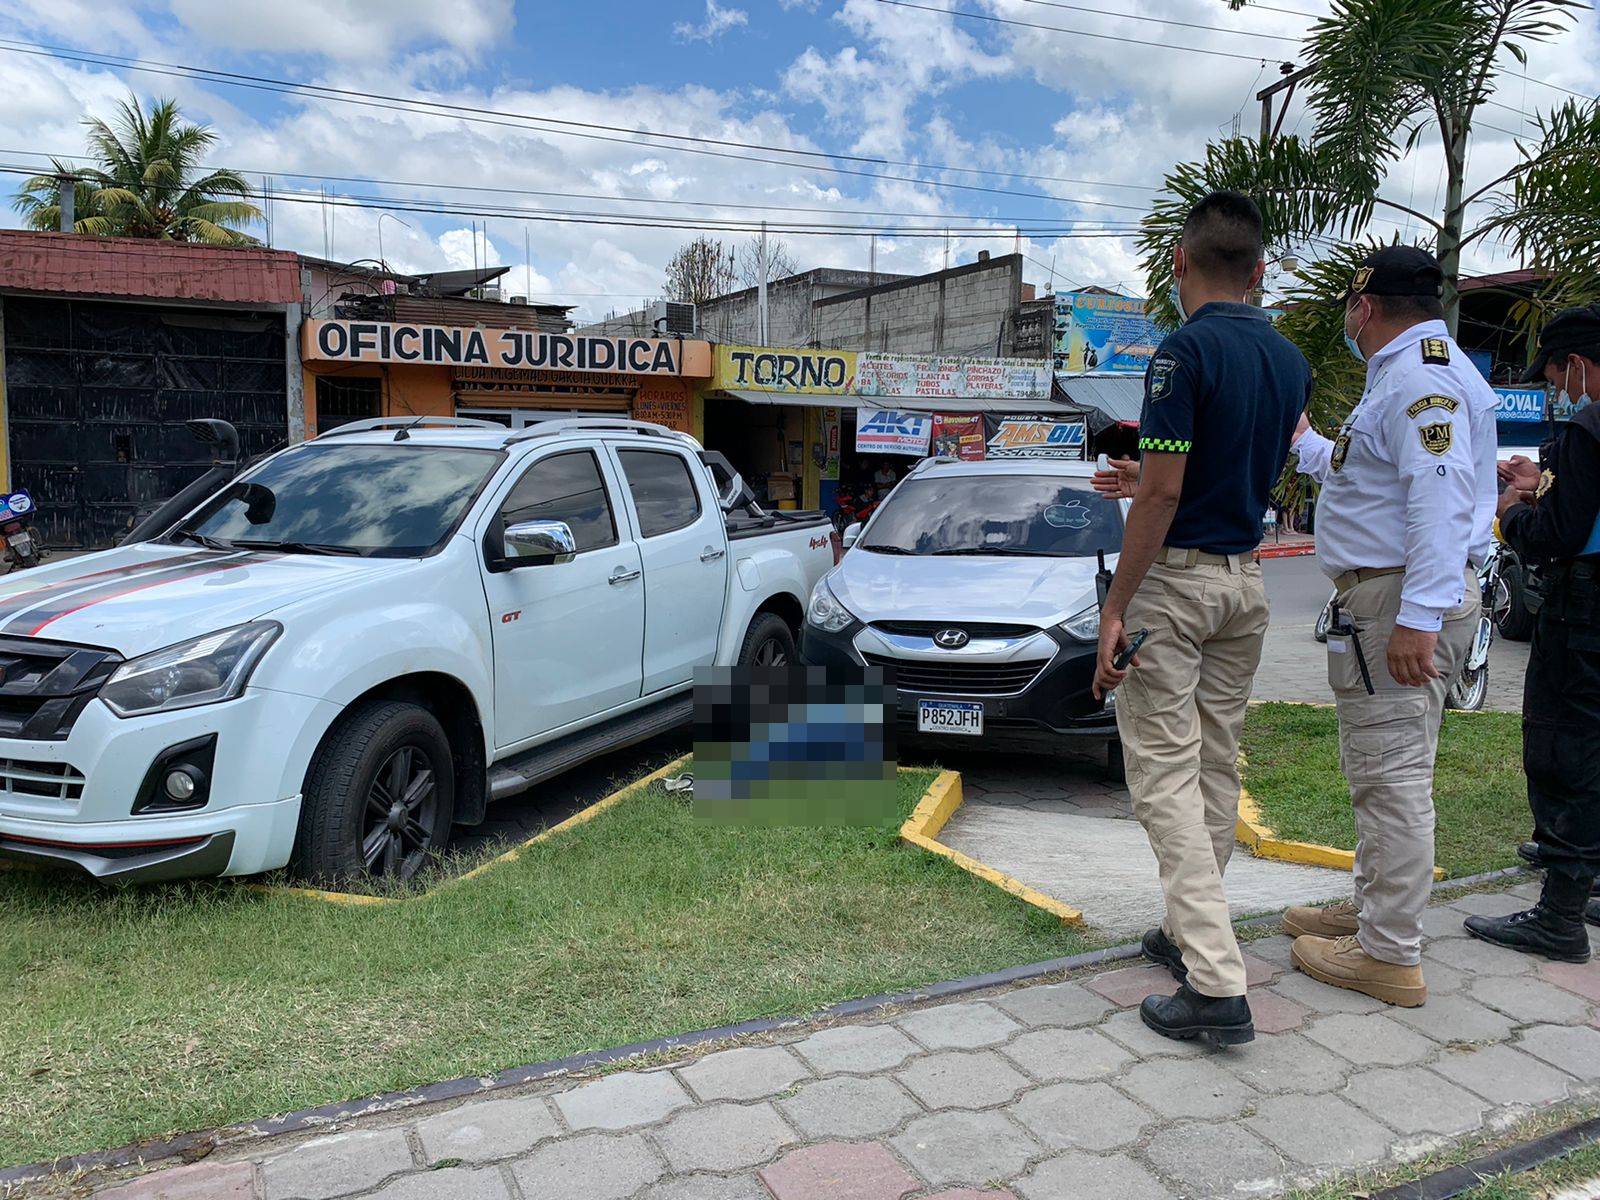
pixel 1045 1092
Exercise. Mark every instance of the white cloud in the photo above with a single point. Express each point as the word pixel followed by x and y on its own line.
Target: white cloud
pixel 347 29
pixel 718 21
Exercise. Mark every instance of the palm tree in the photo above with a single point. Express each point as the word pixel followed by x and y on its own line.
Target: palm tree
pixel 1382 74
pixel 145 184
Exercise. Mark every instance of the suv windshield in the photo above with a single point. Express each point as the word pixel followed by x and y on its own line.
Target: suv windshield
pixel 1040 515
pixel 396 501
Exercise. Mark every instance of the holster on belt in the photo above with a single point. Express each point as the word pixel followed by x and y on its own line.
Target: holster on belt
pixel 1567 591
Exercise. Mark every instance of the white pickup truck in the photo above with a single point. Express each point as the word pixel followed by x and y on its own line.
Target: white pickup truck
pixel 366 638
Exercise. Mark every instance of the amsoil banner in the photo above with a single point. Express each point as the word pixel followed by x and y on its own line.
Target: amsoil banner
pixel 1095 332
pixel 888 431
pixel 522 349
pixel 1037 437
pixel 958 437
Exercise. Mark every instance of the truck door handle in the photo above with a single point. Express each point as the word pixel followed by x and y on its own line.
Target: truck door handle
pixel 711 554
pixel 623 575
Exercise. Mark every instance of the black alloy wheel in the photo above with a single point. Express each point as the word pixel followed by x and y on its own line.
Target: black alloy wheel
pixel 400 816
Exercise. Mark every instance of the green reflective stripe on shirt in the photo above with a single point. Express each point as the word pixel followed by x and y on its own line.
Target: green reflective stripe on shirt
pixel 1170 445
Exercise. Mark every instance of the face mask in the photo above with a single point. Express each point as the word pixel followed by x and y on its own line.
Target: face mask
pixel 1564 398
pixel 1355 346
pixel 1177 302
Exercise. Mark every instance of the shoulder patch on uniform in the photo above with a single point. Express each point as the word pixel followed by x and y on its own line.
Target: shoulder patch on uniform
pixel 1436 351
pixel 1341 449
pixel 1437 439
pixel 1161 368
pixel 1547 480
pixel 1448 403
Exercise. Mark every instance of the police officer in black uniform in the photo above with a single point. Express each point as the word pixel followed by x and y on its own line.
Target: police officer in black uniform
pixel 1550 515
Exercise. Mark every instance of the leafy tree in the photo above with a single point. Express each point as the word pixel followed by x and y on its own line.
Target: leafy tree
pixel 147 183
pixel 701 270
pixel 1384 73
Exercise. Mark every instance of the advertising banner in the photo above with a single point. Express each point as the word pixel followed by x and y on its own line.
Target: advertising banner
pixel 830 443
pixel 1519 404
pixel 522 349
pixel 958 437
pixel 769 369
pixel 889 431
pixel 1102 333
pixel 925 377
pixel 1037 437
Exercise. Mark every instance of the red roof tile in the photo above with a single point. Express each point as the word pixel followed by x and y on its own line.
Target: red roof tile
pixel 147 268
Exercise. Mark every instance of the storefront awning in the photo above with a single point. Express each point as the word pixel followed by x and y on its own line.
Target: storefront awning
pixel 941 404
pixel 1119 396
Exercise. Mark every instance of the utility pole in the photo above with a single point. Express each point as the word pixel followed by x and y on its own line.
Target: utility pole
pixel 1291 80
pixel 66 201
pixel 761 286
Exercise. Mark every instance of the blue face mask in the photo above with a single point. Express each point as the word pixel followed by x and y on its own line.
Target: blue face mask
pixel 1177 302
pixel 1355 346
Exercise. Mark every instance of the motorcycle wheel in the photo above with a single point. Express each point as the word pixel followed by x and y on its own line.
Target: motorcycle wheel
pixel 1510 608
pixel 1469 691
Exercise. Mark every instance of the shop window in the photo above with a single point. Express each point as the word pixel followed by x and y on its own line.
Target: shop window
pixel 341 399
pixel 663 492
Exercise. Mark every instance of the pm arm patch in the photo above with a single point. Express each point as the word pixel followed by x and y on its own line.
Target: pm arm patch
pixel 1437 439
pixel 1448 403
pixel 1436 351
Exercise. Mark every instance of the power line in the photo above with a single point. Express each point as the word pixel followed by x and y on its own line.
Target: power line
pixel 482 115
pixel 1105 37
pixel 1129 16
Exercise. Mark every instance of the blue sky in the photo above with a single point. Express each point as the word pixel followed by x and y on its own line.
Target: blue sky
pixel 848 76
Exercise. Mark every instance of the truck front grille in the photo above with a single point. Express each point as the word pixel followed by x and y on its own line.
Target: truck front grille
pixel 46 780
pixel 959 678
pixel 974 629
pixel 45 685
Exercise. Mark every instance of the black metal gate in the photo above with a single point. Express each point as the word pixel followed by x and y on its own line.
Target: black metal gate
pixel 97 395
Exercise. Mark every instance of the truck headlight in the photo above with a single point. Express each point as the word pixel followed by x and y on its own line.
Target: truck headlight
pixel 825 611
pixel 1084 626
pixel 203 670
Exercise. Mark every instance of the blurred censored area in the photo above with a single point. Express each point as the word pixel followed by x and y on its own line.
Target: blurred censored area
pixel 794 745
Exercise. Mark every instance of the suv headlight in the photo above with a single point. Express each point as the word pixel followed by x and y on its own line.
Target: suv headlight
pixel 1084 626
pixel 203 670
pixel 825 611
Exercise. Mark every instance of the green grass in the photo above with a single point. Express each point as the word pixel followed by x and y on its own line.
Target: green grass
pixel 1292 770
pixel 129 1013
pixel 1581 1166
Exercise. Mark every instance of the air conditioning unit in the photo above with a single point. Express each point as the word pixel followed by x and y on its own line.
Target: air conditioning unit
pixel 672 318
pixel 519 299
pixel 489 292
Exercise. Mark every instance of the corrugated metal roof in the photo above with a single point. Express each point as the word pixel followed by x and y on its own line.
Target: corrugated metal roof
pixel 147 268
pixel 1118 395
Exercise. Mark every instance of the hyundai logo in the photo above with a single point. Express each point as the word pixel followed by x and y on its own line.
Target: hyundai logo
pixel 951 639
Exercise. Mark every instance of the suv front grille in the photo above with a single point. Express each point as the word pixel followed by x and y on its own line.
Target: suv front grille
pixel 45 685
pixel 974 629
pixel 47 780
pixel 960 678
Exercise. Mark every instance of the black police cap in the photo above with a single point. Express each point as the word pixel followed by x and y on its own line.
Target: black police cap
pixel 1571 331
pixel 1397 271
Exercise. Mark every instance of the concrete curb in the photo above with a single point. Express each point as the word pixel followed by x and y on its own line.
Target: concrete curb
pixel 1299 551
pixel 326 1116
pixel 921 829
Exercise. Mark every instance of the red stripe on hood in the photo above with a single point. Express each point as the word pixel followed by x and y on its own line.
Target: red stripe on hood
pixel 139 587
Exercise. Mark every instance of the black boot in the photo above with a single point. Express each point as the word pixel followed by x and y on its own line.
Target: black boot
pixel 1222 1021
pixel 1591 912
pixel 1163 951
pixel 1552 928
pixel 1532 853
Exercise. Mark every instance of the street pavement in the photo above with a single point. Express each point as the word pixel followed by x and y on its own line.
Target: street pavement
pixel 1049 1091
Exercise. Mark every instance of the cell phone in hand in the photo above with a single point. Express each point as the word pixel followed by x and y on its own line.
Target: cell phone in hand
pixel 1124 657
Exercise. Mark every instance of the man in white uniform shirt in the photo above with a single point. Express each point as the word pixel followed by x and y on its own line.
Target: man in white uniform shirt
pixel 1407 505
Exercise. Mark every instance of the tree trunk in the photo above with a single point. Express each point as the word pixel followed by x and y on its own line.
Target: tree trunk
pixel 1450 235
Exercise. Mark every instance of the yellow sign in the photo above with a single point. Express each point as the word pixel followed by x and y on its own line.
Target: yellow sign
pixel 801 372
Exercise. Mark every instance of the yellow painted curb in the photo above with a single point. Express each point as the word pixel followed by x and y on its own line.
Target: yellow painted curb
pixel 1264 843
pixel 933 812
pixel 511 855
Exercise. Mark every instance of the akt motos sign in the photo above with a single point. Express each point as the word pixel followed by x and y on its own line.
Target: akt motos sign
pixel 886 431
pixel 521 349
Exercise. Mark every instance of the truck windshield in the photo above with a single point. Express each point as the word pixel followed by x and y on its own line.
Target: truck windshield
pixel 1040 515
pixel 393 501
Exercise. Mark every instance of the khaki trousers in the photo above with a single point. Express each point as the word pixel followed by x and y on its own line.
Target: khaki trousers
pixel 1179 715
pixel 1387 744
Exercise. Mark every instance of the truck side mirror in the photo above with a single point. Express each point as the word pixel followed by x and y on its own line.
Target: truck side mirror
pixel 850 534
pixel 539 543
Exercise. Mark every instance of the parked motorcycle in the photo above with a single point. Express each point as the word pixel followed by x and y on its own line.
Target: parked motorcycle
pixel 1471 687
pixel 22 549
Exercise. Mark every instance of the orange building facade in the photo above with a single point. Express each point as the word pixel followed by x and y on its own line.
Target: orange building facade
pixel 355 368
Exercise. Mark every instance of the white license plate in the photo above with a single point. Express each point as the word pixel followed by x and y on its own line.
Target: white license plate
pixel 949 716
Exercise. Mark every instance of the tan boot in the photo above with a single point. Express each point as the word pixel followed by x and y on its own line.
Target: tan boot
pixel 1334 921
pixel 1341 962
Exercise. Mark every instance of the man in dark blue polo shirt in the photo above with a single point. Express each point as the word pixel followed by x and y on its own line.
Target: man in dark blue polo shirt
pixel 1222 397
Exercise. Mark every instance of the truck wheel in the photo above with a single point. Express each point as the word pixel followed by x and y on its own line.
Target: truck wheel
pixel 379 796
pixel 768 643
